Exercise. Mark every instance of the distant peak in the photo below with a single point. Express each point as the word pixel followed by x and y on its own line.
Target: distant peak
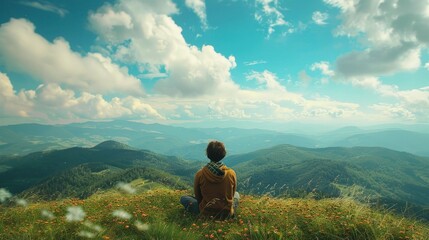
pixel 110 144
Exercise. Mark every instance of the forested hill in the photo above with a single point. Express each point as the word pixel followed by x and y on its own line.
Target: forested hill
pixel 379 175
pixel 87 179
pixel 20 173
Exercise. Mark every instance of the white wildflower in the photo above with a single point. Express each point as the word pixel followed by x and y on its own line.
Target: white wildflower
pixel 75 214
pixel 21 202
pixel 86 234
pixel 93 226
pixel 126 188
pixel 141 226
pixel 47 214
pixel 4 194
pixel 121 214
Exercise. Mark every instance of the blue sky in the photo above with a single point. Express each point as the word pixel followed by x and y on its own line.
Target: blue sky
pixel 218 62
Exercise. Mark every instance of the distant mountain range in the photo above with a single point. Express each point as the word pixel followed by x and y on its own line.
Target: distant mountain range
pixel 377 175
pixel 189 143
pixel 400 140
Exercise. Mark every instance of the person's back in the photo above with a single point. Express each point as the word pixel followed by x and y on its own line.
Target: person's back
pixel 214 186
pixel 214 189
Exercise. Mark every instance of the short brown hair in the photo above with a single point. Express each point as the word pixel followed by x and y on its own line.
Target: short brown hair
pixel 215 151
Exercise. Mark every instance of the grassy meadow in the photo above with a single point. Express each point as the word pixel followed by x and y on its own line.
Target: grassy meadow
pixel 157 214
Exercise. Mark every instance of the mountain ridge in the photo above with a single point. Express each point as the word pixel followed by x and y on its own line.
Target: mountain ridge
pixel 183 142
pixel 111 144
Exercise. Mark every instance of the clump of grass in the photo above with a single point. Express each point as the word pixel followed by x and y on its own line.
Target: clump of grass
pixel 157 214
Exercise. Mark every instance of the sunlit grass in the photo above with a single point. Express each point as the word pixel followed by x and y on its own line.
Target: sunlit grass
pixel 157 214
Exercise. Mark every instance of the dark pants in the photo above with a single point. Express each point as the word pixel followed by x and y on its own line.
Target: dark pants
pixel 190 203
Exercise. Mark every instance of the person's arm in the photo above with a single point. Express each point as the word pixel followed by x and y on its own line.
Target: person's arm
pixel 235 183
pixel 197 189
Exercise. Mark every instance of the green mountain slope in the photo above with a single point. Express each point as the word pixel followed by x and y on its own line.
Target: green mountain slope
pixel 86 179
pixel 24 172
pixel 381 175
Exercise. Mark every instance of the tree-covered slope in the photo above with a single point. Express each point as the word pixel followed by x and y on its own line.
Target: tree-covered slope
pixel 86 179
pixel 24 172
pixel 382 175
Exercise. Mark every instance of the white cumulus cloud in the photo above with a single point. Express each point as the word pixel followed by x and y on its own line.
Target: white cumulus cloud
pixel 51 102
pixel 393 111
pixel 268 14
pixel 320 18
pixel 23 50
pixel 271 101
pixel 12 103
pixel 393 32
pixel 155 41
pixel 324 67
pixel 410 104
pixel 199 7
pixel 380 61
pixel 267 80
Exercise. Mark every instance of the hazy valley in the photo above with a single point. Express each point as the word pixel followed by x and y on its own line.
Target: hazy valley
pixel 189 143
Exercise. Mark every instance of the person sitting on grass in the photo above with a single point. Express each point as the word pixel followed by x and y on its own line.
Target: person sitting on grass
pixel 214 187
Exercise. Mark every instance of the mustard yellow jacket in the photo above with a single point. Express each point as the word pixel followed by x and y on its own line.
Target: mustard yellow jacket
pixel 215 194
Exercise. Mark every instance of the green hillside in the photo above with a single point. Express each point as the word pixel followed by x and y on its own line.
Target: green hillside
pixel 86 179
pixel 156 214
pixel 382 176
pixel 24 172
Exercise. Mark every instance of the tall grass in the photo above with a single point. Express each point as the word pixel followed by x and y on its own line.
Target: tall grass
pixel 157 214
